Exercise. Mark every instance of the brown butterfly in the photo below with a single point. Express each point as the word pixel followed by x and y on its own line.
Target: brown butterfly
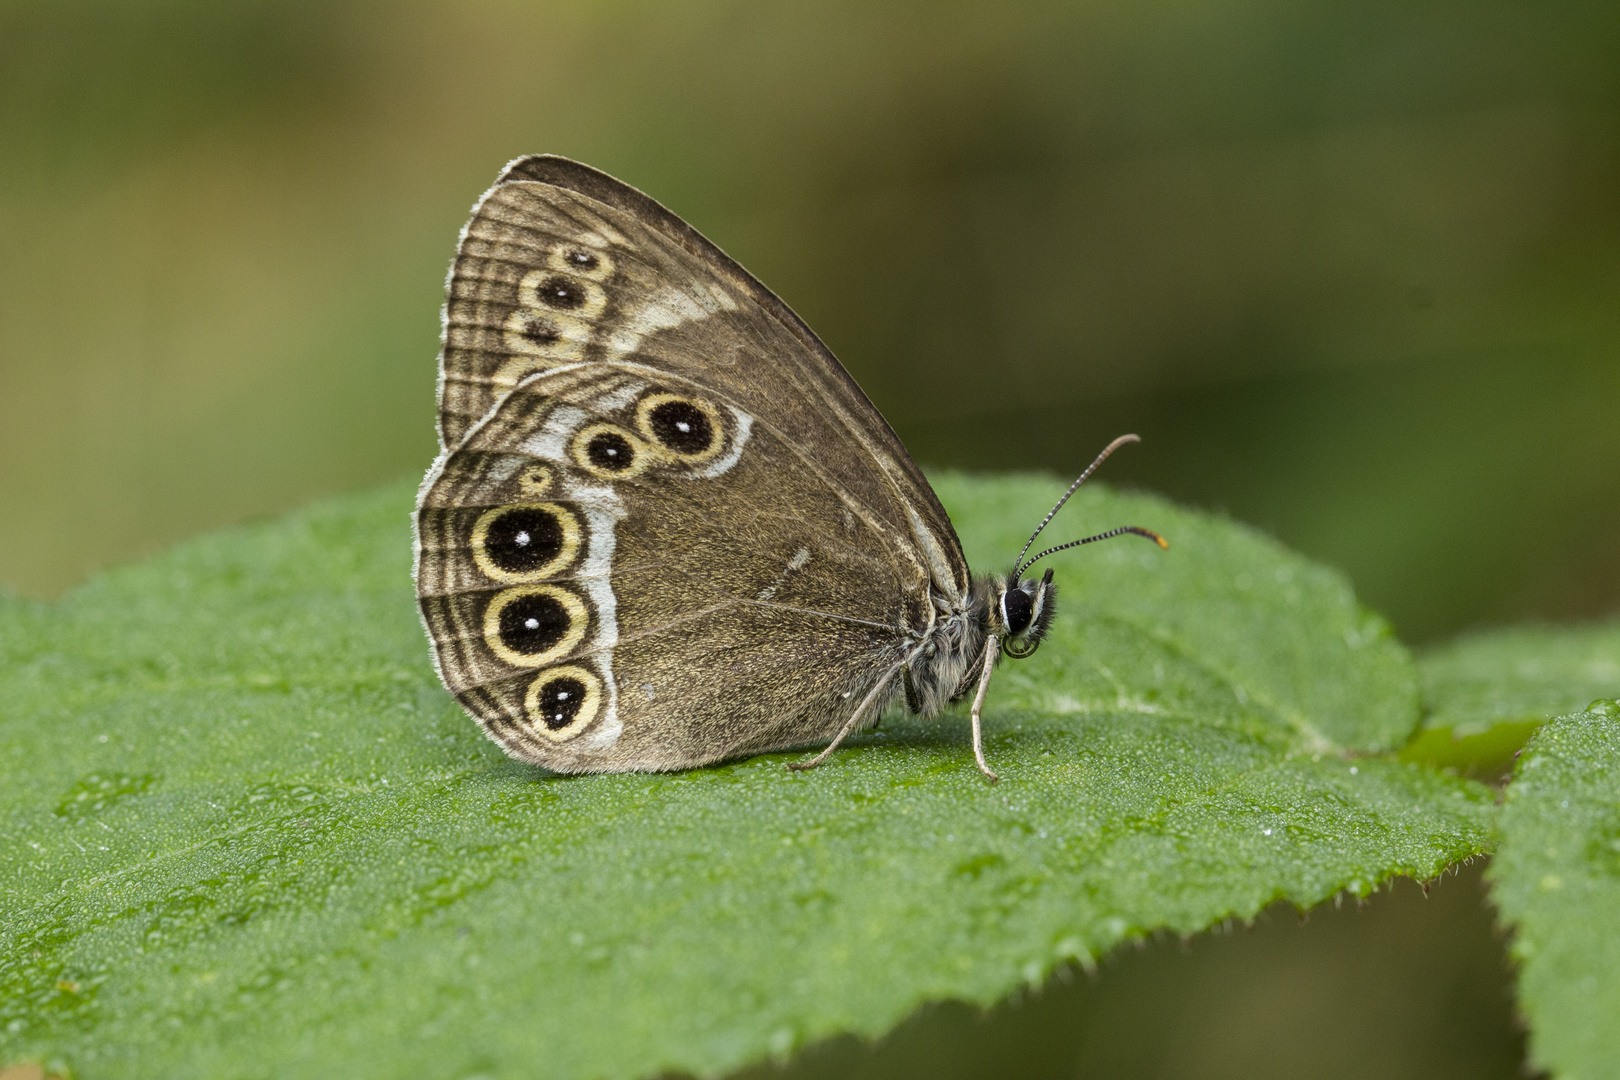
pixel 666 527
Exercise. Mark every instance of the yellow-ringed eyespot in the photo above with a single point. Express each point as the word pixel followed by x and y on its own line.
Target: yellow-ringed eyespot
pixel 543 336
pixel 552 291
pixel 534 479
pixel 525 542
pixel 686 429
pixel 563 701
pixel 585 262
pixel 533 625
pixel 610 452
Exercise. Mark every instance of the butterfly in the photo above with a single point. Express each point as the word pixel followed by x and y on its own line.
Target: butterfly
pixel 665 526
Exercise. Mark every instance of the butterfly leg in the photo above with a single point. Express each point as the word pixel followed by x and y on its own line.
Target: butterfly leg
pixel 849 725
pixel 913 702
pixel 978 703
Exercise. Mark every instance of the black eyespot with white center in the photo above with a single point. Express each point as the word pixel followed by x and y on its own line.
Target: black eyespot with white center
pixel 522 540
pixel 560 293
pixel 528 541
pixel 687 430
pixel 610 451
pixel 579 263
pixel 564 701
pixel 533 624
pixel 559 702
pixel 681 426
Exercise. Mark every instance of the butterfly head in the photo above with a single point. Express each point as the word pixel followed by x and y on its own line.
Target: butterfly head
pixel 1021 610
pixel 1022 613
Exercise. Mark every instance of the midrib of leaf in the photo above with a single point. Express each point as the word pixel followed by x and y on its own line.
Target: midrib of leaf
pixel 1309 740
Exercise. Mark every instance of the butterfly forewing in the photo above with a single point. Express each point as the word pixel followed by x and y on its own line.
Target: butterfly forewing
pixel 562 264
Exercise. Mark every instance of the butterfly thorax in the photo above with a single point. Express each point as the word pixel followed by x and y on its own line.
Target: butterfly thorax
pixel 1016 613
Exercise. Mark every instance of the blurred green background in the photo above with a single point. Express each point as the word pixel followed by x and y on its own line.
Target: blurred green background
pixel 1351 269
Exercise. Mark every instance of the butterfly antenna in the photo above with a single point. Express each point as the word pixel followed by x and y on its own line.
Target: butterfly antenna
pixel 1102 457
pixel 1111 533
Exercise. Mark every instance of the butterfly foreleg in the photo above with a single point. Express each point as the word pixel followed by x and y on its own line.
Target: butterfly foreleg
pixel 850 724
pixel 978 704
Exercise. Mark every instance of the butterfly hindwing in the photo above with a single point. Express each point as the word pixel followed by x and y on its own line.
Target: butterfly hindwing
pixel 624 569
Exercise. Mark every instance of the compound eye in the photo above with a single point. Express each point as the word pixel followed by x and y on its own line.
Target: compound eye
pixel 1017 609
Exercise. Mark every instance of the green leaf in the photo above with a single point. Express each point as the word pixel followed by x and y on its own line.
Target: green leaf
pixel 1484 694
pixel 1556 881
pixel 248 834
pixel 1268 632
pixel 1520 675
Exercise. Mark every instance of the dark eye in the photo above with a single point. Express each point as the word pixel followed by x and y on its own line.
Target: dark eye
pixel 1017 607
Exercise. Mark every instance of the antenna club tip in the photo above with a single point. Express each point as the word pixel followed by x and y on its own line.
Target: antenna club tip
pixel 1151 535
